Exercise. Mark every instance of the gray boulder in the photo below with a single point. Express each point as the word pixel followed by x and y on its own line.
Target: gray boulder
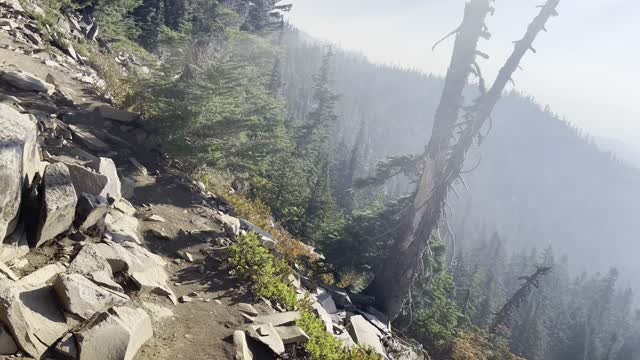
pixel 324 316
pixel 90 211
pixel 8 346
pixel 87 138
pixel 66 348
pixel 365 334
pixel 279 319
pixel 82 297
pixel 58 203
pixel 31 315
pixel 15 246
pixel 111 113
pixel 144 268
pixel 267 335
pixel 122 227
pixel 326 300
pixel 26 81
pixel 19 160
pixel 90 263
pixel 292 334
pixel 157 312
pixel 87 181
pixel 247 309
pixel 231 225
pixel 107 168
pixel 115 335
pixel 241 348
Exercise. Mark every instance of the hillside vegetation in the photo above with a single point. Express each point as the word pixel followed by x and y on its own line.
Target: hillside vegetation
pixel 320 146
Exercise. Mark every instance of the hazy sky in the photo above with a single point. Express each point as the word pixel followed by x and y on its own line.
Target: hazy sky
pixel 587 67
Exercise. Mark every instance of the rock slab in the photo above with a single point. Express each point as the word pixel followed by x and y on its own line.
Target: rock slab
pixel 267 335
pixel 31 314
pixel 19 159
pixel 82 297
pixel 58 203
pixel 365 334
pixel 115 335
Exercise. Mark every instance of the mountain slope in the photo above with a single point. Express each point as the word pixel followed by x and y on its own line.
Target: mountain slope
pixel 539 182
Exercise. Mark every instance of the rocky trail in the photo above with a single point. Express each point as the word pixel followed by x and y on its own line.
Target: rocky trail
pixel 108 252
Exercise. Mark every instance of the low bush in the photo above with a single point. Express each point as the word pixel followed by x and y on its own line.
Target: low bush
pixel 325 346
pixel 267 275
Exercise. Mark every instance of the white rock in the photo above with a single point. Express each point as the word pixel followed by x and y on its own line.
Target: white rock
pixel 247 309
pixel 58 204
pixel 279 319
pixel 326 300
pixel 26 81
pixel 292 334
pixel 324 316
pixel 155 218
pixel 365 334
pixel 231 224
pixel 19 159
pixel 144 268
pixel 82 297
pixel 90 263
pixel 107 168
pixel 241 347
pixel 266 334
pixel 15 246
pixel 115 335
pixel 31 314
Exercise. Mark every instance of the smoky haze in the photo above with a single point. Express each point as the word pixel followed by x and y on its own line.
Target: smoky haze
pixel 585 68
pixel 544 178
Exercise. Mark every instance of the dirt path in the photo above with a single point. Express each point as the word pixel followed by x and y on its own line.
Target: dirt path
pixel 200 329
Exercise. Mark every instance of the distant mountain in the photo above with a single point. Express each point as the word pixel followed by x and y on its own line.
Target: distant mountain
pixel 540 181
pixel 621 150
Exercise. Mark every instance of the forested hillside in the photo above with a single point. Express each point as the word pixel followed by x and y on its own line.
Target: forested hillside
pixel 539 181
pixel 308 157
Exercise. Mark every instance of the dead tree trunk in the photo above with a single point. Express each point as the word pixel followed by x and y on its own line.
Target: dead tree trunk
pixel 450 140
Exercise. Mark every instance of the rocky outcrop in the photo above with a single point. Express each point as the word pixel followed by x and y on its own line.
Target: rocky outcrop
pixel 121 223
pixel 90 263
pixel 90 211
pixel 26 81
pixel 292 335
pixel 145 269
pixel 279 319
pixel 81 297
pixel 267 335
pixel 31 315
pixel 115 335
pixel 19 160
pixel 107 168
pixel 241 348
pixel 365 334
pixel 58 203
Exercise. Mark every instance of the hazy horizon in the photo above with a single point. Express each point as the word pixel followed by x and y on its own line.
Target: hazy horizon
pixel 577 50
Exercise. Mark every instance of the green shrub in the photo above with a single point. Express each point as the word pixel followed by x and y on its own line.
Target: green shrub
pixel 324 346
pixel 267 275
